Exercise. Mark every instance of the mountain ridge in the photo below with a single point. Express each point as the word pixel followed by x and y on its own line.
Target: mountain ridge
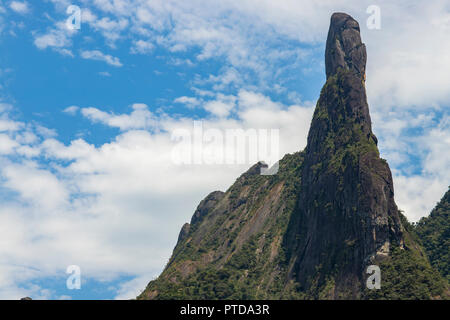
pixel 434 233
pixel 311 230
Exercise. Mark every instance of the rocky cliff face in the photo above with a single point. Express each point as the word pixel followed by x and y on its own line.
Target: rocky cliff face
pixel 344 48
pixel 310 231
pixel 347 214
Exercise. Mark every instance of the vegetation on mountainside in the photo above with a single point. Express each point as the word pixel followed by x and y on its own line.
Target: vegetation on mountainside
pixel 249 270
pixel 434 233
pixel 407 273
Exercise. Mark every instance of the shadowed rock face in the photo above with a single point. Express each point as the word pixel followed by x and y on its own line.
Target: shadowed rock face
pixel 344 47
pixel 346 208
pixel 206 205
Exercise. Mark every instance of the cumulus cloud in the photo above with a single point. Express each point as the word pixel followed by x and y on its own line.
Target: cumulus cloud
pixel 219 108
pixel 190 102
pixel 131 289
pixel 142 47
pixel 100 56
pixel 140 118
pixel 19 6
pixel 7 145
pixel 71 110
pixel 417 147
pixel 261 41
pixel 110 29
pixel 100 206
pixel 57 37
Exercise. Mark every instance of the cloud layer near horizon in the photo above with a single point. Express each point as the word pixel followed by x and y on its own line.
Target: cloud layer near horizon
pixel 114 209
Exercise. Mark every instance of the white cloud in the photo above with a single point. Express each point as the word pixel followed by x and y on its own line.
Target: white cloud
pixel 87 199
pixel 110 29
pixel 131 289
pixel 190 102
pixel 52 39
pixel 260 41
pixel 57 38
pixel 39 187
pixel 19 6
pixel 45 132
pixel 7 145
pixel 140 118
pixel 99 56
pixel 87 16
pixel 219 108
pixel 419 160
pixel 9 125
pixel 84 199
pixel 142 47
pixel 65 52
pixel 71 110
pixel 402 73
pixel 256 35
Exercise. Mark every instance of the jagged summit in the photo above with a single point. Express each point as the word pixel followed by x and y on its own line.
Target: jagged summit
pixel 347 214
pixel 311 230
pixel 344 47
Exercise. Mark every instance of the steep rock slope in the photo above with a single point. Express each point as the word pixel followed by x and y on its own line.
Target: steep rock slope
pixel 310 231
pixel 347 216
pixel 235 250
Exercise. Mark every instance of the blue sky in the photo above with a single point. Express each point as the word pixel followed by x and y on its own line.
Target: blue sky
pixel 86 118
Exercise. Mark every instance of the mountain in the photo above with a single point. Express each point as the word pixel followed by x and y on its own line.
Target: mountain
pixel 434 232
pixel 311 230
